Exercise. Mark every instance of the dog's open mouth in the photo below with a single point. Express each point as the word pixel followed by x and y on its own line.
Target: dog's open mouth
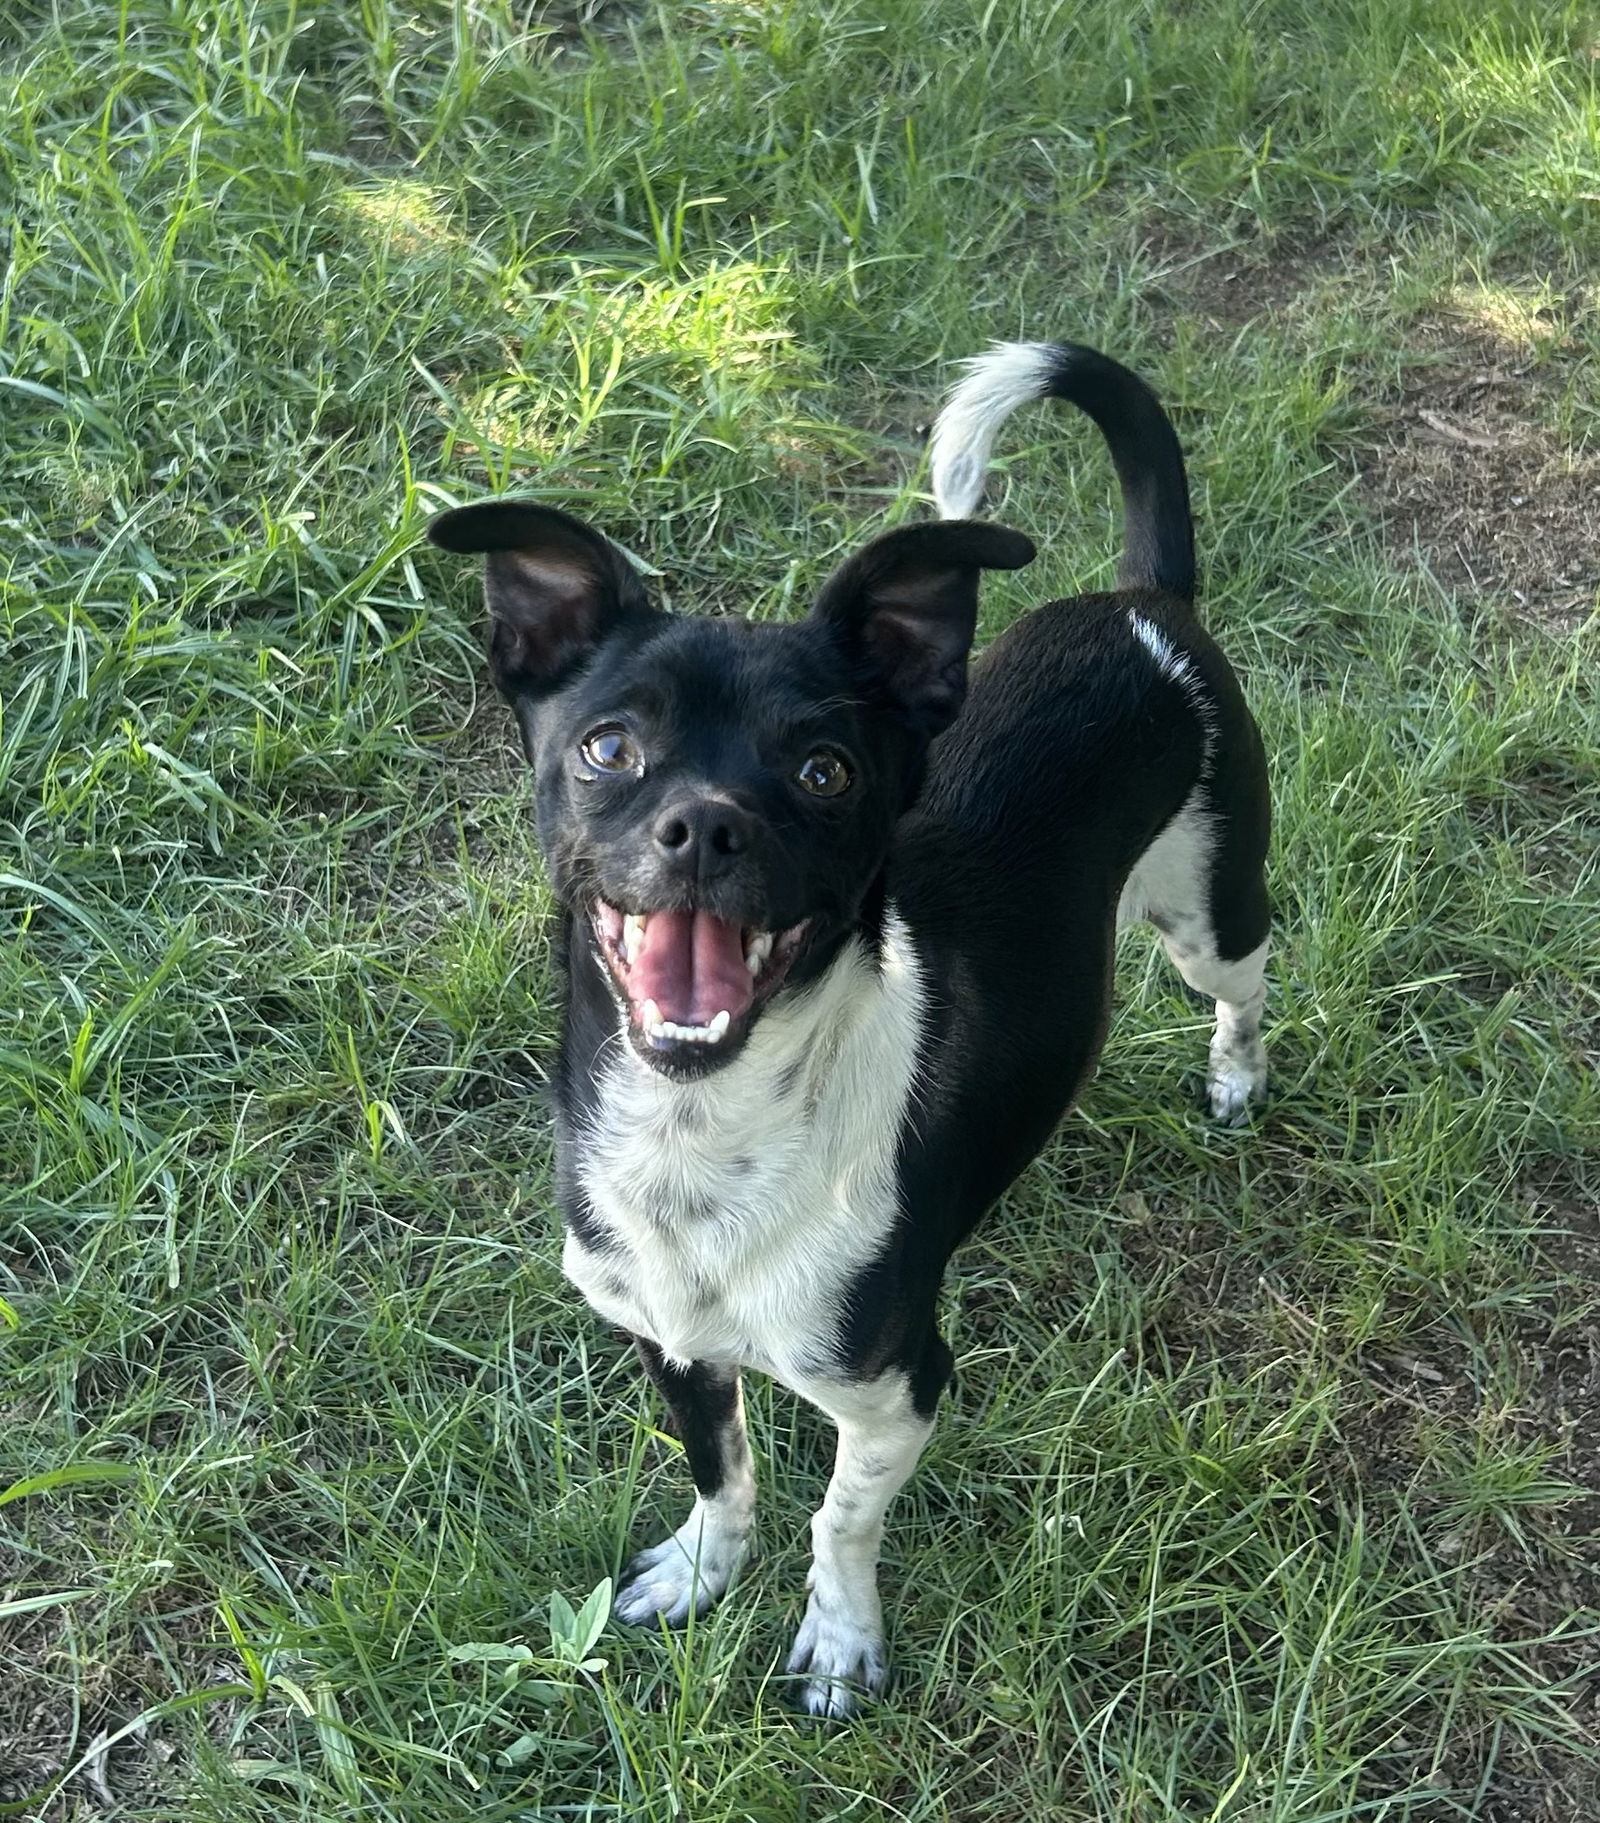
pixel 690 977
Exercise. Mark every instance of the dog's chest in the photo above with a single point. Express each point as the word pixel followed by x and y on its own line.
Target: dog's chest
pixel 732 1213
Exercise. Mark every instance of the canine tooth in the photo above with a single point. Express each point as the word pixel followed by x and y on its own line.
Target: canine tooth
pixel 718 1026
pixel 650 1018
pixel 632 935
pixel 757 951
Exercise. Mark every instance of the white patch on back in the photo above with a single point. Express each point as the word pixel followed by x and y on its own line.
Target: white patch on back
pixel 738 1208
pixel 1160 648
pixel 1180 668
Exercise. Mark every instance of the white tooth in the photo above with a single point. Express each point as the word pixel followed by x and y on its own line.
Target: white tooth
pixel 718 1026
pixel 650 1018
pixel 632 936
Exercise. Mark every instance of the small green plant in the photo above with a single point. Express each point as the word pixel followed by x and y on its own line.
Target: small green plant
pixel 550 1678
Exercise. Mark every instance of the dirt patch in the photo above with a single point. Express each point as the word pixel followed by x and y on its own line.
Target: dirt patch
pixel 1237 284
pixel 48 1727
pixel 1551 1593
pixel 1463 467
pixel 1470 482
pixel 1518 1378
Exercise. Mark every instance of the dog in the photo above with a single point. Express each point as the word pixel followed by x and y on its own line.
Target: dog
pixel 837 916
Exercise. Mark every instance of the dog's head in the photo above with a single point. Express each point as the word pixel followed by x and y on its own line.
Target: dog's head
pixel 716 798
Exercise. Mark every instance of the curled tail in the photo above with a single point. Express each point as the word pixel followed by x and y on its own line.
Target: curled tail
pixel 1158 537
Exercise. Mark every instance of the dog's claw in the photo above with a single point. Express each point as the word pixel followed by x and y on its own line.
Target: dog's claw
pixel 681 1575
pixel 660 1585
pixel 1237 1077
pixel 839 1664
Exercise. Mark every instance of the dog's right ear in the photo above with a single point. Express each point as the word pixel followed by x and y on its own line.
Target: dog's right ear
pixel 555 587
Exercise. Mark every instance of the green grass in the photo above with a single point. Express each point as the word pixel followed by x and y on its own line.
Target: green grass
pixel 1268 1491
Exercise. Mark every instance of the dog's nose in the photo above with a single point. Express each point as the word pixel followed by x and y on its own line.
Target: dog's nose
pixel 703 836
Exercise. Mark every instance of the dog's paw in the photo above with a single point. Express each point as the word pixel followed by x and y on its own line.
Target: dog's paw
pixel 683 1574
pixel 1237 1076
pixel 837 1661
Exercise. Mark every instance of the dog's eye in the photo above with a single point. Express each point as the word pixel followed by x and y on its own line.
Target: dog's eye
pixel 610 749
pixel 824 774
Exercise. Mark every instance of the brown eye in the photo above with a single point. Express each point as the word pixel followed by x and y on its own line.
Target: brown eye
pixel 610 749
pixel 824 774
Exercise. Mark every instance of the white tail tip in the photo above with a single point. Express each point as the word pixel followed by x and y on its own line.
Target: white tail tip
pixel 1009 376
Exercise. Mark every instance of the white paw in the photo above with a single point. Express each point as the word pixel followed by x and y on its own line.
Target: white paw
pixel 838 1658
pixel 1237 1077
pixel 688 1571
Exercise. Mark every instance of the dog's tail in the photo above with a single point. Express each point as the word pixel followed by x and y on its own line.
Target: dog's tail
pixel 1158 537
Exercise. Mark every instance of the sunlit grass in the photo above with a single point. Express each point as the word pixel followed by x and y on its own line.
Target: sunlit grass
pixel 401 215
pixel 1525 319
pixel 1256 1500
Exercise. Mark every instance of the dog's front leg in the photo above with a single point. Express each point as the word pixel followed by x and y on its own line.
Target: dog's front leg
pixel 693 1567
pixel 840 1646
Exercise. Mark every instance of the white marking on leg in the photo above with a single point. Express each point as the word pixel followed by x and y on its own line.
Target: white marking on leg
pixel 1170 886
pixel 1168 883
pixel 840 1646
pixel 1237 1070
pixel 696 1565
pixel 1237 1073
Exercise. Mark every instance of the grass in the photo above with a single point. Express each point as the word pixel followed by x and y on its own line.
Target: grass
pixel 1269 1490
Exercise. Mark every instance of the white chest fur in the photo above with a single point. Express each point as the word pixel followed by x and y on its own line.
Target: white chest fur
pixel 735 1210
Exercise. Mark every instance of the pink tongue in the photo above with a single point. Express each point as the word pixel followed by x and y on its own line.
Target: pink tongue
pixel 692 966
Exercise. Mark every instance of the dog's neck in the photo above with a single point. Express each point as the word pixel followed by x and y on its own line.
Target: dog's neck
pixel 825 1071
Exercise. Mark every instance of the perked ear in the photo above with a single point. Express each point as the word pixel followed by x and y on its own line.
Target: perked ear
pixel 906 605
pixel 555 587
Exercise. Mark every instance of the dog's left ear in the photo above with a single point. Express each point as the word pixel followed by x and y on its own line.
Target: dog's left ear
pixel 907 606
pixel 555 588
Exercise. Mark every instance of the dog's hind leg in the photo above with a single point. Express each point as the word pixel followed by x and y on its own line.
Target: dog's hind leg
pixel 692 1568
pixel 1200 883
pixel 839 1649
pixel 1236 1073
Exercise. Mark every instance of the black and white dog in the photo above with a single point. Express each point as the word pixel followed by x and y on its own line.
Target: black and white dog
pixel 838 932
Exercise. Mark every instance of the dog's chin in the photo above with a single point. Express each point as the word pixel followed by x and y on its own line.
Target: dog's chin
pixel 691 986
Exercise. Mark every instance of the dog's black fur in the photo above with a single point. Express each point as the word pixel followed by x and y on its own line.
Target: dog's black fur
pixel 965 882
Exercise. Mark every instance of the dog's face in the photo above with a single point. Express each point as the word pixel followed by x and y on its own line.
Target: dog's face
pixel 716 798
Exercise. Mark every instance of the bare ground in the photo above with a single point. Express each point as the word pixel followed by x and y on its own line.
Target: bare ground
pixel 1464 467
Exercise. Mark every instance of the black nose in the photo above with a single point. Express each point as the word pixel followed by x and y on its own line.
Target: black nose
pixel 703 836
